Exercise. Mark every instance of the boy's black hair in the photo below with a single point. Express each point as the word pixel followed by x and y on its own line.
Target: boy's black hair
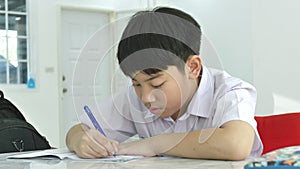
pixel 154 40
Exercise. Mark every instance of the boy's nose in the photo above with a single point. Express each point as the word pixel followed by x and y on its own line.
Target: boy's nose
pixel 147 96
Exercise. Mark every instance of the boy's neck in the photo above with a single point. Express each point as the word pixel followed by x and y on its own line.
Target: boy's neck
pixel 183 109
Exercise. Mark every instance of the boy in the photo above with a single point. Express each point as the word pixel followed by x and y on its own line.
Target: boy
pixel 175 104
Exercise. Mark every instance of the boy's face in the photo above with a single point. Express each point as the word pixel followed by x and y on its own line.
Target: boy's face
pixel 163 93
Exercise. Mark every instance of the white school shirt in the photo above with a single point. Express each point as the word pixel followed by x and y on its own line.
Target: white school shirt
pixel 219 98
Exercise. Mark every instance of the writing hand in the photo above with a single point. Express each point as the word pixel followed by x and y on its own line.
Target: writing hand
pixel 90 143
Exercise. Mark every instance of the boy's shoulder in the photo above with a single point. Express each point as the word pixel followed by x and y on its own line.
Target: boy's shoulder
pixel 223 81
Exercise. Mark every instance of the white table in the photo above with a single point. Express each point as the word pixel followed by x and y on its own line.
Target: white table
pixel 145 163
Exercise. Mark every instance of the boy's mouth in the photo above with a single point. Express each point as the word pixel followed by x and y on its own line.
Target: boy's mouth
pixel 155 110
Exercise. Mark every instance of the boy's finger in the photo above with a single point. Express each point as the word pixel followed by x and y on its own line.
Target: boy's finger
pixel 91 153
pixel 106 143
pixel 96 141
pixel 95 148
pixel 109 147
pixel 98 151
pixel 115 145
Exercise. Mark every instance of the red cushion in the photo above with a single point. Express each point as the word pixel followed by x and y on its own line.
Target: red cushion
pixel 278 131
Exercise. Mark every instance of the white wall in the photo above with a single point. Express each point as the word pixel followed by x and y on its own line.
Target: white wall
pixel 122 5
pixel 276 53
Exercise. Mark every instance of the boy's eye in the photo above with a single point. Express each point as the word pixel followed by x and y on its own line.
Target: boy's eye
pixel 136 84
pixel 157 86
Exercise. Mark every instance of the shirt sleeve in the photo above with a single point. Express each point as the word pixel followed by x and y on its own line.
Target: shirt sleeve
pixel 114 117
pixel 239 104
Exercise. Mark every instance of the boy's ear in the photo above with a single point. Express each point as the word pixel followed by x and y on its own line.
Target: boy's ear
pixel 194 66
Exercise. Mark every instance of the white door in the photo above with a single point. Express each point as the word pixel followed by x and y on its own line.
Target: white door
pixel 81 87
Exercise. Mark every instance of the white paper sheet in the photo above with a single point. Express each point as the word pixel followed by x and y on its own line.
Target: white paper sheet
pixel 66 154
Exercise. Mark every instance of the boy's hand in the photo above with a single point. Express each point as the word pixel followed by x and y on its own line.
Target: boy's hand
pixel 90 143
pixel 141 147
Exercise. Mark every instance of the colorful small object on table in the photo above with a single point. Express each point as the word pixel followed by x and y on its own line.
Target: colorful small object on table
pixel 284 158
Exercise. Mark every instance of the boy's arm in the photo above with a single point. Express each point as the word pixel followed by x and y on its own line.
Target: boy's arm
pixel 232 141
pixel 89 143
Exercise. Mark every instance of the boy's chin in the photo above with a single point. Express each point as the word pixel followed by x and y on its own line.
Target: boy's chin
pixel 164 115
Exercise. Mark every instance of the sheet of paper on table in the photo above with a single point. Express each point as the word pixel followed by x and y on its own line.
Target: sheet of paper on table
pixel 66 154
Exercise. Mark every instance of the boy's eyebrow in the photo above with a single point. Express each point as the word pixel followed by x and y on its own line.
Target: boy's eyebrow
pixel 151 78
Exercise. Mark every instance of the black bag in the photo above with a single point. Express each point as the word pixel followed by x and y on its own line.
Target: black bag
pixel 16 134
